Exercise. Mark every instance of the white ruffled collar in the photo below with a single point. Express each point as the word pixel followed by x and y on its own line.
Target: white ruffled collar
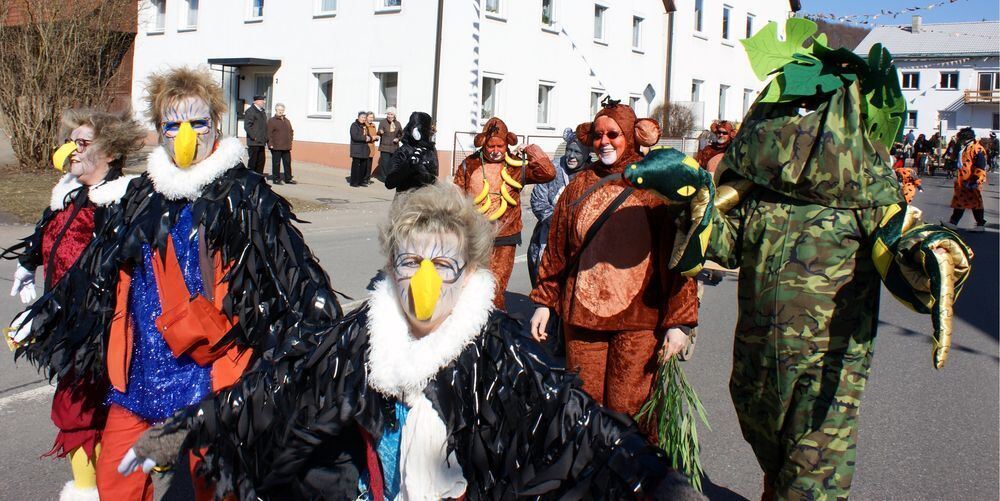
pixel 104 194
pixel 400 365
pixel 175 183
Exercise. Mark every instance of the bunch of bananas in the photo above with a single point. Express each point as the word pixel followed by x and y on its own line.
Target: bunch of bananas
pixel 506 199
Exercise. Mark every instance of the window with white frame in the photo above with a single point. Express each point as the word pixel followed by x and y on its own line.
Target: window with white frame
pixel 696 90
pixel 386 90
pixel 548 13
pixel 636 32
pixel 490 97
pixel 595 101
pixel 727 12
pixel 750 20
pixel 321 103
pixel 545 95
pixel 635 102
pixel 949 80
pixel 723 93
pixel 911 119
pixel 747 100
pixel 699 11
pixel 159 20
pixel 189 15
pixel 326 7
pixel 493 7
pixel 911 81
pixel 389 5
pixel 255 10
pixel 600 12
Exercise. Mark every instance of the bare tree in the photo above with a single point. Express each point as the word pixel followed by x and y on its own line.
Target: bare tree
pixel 57 54
pixel 676 120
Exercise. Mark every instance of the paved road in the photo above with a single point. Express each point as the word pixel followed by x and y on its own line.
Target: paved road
pixel 924 434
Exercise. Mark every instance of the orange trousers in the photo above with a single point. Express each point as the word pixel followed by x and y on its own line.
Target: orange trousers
pixel 616 367
pixel 502 265
pixel 120 432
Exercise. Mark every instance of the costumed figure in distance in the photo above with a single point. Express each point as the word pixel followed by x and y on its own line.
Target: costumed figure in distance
pixel 969 180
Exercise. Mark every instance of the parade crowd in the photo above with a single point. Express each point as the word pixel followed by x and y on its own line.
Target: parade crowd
pixel 183 314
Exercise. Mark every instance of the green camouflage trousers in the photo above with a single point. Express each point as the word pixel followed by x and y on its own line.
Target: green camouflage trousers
pixel 808 307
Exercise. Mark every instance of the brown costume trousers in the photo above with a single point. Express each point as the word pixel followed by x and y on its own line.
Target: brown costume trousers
pixel 616 367
pixel 501 264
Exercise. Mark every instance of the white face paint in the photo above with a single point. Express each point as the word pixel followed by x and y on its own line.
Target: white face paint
pixel 442 250
pixel 608 154
pixel 195 111
pixel 416 134
pixel 88 162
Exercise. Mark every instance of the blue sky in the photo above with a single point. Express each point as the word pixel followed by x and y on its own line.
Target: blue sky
pixel 962 10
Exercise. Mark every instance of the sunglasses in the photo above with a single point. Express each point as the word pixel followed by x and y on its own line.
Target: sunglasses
pixel 200 126
pixel 611 134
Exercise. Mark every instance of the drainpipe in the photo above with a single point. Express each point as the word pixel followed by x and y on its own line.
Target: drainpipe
pixel 668 54
pixel 437 60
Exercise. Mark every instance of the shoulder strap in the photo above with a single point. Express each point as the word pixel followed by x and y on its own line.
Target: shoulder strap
pixel 594 228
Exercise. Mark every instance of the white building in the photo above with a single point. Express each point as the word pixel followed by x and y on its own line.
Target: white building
pixel 950 73
pixel 541 65
pixel 708 66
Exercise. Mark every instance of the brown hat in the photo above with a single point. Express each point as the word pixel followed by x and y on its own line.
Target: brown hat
pixel 637 132
pixel 495 127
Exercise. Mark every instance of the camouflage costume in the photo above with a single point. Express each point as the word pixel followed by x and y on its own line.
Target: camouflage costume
pixel 810 211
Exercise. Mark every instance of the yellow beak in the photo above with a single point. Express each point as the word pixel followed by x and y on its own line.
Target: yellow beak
pixel 425 289
pixel 61 155
pixel 185 145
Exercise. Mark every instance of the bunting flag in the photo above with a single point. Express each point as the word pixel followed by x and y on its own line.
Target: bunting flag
pixel 871 19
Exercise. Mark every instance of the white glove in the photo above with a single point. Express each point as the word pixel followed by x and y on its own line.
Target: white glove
pixel 19 330
pixel 132 462
pixel 24 284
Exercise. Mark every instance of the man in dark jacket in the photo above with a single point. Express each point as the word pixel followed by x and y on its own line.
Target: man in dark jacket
pixel 255 125
pixel 359 150
pixel 279 141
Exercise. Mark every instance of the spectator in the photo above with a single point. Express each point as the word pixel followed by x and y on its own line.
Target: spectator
pixel 390 132
pixel 415 162
pixel 951 157
pixel 921 148
pixel 279 140
pixel 909 138
pixel 372 132
pixel 359 149
pixel 993 150
pixel 255 125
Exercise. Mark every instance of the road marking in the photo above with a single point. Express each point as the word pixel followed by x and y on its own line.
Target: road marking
pixel 41 393
pixel 523 258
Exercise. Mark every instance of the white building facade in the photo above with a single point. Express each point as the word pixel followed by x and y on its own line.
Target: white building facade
pixel 541 65
pixel 950 73
pixel 709 68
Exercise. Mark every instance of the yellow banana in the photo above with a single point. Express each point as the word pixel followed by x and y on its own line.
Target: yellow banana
pixel 482 194
pixel 485 206
pixel 499 212
pixel 513 161
pixel 509 180
pixel 507 196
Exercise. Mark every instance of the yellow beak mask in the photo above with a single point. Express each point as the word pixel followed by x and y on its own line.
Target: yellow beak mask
pixel 425 289
pixel 61 155
pixel 185 145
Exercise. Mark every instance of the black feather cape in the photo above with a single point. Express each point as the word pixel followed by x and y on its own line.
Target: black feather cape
pixel 276 286
pixel 519 425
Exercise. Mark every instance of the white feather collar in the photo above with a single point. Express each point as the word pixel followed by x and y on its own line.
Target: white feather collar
pixel 104 194
pixel 400 365
pixel 175 183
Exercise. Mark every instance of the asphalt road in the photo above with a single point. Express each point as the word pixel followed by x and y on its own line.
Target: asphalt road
pixel 924 434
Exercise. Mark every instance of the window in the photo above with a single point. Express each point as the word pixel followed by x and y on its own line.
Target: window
pixel 599 11
pixel 989 81
pixel 548 12
pixel 493 7
pixel 949 80
pixel 388 85
pixel 595 101
pixel 326 7
pixel 189 15
pixel 699 10
pixel 636 32
pixel 256 12
pixel 696 90
pixel 749 25
pixel 389 6
pixel 911 81
pixel 747 100
pixel 322 102
pixel 635 102
pixel 726 12
pixel 490 101
pixel 996 121
pixel 158 23
pixel 723 91
pixel 911 119
pixel 544 103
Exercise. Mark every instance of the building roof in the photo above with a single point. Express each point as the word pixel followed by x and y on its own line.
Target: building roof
pixel 980 38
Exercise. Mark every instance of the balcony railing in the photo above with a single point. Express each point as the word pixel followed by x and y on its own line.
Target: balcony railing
pixel 982 96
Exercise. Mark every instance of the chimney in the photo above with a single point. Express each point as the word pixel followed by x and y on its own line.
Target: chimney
pixel 916 24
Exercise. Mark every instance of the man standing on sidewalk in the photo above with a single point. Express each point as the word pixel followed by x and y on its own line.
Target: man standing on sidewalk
pixel 279 141
pixel 255 125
